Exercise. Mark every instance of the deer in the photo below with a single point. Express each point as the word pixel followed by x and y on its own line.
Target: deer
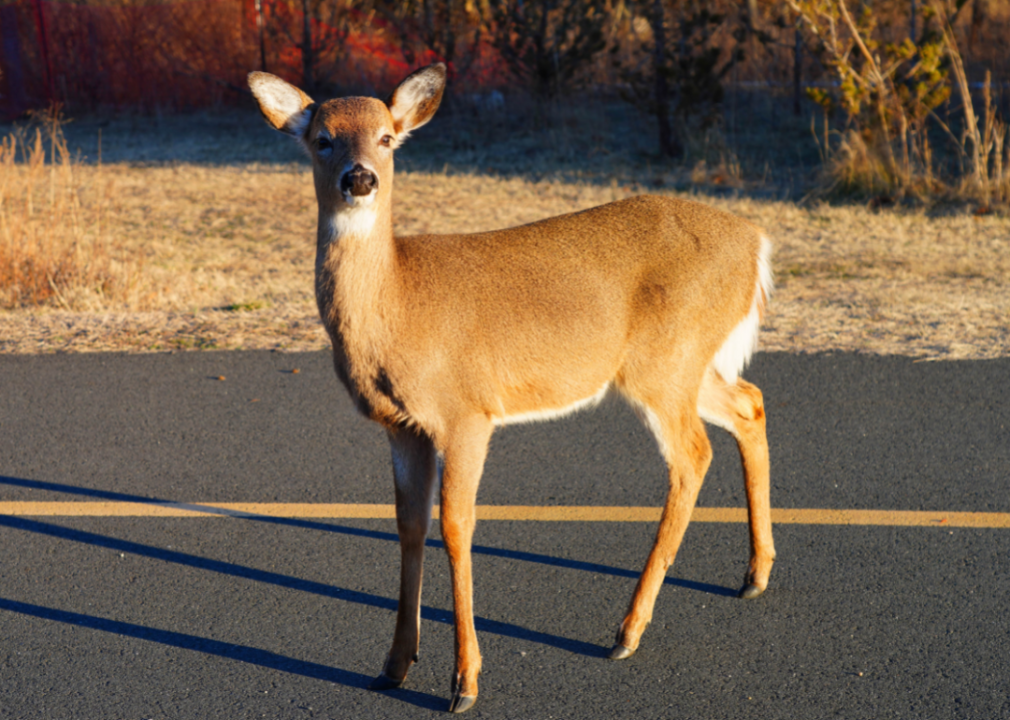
pixel 442 338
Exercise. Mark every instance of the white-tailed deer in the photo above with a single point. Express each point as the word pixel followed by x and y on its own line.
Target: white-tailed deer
pixel 440 338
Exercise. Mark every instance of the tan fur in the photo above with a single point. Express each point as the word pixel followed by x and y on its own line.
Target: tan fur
pixel 440 337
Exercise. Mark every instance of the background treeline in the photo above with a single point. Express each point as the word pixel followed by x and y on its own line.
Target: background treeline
pixel 908 97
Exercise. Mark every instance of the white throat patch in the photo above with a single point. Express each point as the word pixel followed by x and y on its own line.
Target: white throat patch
pixel 355 220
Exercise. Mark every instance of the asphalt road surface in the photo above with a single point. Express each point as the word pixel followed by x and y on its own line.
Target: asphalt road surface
pixel 279 617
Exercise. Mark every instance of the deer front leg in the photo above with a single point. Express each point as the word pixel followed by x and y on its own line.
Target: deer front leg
pixel 415 473
pixel 464 463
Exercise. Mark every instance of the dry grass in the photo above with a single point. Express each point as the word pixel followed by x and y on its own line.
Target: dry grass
pixel 56 248
pixel 198 254
pixel 228 253
pixel 889 282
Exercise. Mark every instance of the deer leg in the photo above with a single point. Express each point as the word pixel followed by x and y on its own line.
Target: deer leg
pixel 739 408
pixel 415 473
pixel 688 453
pixel 464 463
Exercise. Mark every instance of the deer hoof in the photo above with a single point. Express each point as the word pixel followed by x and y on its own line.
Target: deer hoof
pixel 619 652
pixel 750 591
pixel 384 682
pixel 461 703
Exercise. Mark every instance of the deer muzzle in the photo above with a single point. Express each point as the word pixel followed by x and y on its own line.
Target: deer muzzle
pixel 359 181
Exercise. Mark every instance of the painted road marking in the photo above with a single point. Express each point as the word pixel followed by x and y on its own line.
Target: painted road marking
pixel 570 513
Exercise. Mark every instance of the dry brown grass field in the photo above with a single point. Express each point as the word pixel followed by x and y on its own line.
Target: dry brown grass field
pixel 203 238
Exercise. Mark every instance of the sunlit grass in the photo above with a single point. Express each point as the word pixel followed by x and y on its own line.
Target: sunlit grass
pixel 197 255
pixel 57 248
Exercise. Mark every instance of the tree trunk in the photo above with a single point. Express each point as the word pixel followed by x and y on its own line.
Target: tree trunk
pixel 668 144
pixel 40 16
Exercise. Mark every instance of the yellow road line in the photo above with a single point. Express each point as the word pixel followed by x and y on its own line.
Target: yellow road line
pixel 571 513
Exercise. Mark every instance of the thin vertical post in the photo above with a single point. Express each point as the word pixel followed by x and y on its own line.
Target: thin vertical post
pixel 797 69
pixel 260 29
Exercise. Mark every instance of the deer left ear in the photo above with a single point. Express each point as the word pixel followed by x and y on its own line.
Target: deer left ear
pixel 415 100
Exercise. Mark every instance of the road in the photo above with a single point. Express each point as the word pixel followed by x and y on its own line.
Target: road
pixel 225 615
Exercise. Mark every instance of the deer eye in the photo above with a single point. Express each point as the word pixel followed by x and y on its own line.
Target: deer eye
pixel 323 145
pixel 387 140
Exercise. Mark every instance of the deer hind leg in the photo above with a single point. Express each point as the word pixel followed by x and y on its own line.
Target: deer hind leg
pixel 416 475
pixel 739 408
pixel 682 438
pixel 464 454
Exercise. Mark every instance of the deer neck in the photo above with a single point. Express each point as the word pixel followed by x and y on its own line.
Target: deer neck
pixel 356 274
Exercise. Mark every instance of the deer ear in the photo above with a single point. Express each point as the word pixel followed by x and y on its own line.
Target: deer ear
pixel 285 107
pixel 415 100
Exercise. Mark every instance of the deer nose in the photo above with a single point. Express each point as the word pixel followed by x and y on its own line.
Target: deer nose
pixel 358 181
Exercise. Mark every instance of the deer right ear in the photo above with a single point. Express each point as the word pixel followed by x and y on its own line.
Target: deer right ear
pixel 285 107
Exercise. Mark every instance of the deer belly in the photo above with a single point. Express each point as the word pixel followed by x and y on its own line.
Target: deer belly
pixel 549 412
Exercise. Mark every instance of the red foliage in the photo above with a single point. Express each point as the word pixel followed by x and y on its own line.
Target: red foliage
pixel 183 54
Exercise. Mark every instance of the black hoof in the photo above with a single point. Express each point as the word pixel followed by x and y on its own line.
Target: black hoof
pixel 384 682
pixel 749 592
pixel 461 703
pixel 619 652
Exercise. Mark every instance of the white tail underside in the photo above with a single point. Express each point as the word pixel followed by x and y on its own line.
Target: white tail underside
pixel 736 352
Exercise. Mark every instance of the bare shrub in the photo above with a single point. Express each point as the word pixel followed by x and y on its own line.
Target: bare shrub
pixel 887 90
pixel 680 68
pixel 546 44
pixel 889 94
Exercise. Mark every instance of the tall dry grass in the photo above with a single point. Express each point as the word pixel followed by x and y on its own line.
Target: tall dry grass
pixel 55 248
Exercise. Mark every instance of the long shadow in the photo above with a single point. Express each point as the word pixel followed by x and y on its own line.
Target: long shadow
pixel 293 583
pixel 242 653
pixel 372 534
